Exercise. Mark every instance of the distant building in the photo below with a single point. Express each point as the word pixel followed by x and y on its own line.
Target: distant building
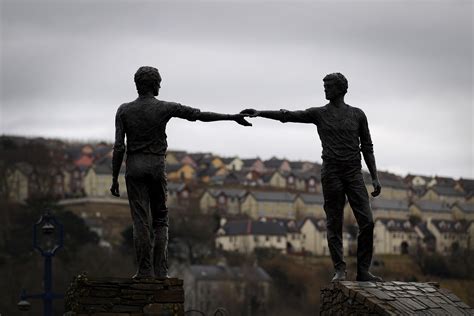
pixel 447 194
pixel 310 205
pixel 450 235
pixel 180 172
pixel 245 235
pixel 226 201
pixel 394 236
pixel 463 211
pixel 278 204
pixel 241 290
pixel 314 237
pixel 384 208
pixel 425 209
pixel 178 194
pixel 98 179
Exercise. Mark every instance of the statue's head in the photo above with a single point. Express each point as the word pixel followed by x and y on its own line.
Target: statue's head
pixel 335 85
pixel 147 79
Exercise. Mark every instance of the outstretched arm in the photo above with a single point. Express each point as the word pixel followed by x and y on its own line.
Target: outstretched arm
pixel 193 114
pixel 212 117
pixel 367 149
pixel 283 115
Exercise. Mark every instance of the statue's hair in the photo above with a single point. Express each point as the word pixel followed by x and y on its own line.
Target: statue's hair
pixel 146 78
pixel 339 79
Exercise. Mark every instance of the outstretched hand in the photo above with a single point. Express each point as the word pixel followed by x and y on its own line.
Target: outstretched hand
pixel 377 188
pixel 250 112
pixel 240 119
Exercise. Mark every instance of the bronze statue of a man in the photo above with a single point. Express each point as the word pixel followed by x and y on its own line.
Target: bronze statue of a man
pixel 344 133
pixel 144 121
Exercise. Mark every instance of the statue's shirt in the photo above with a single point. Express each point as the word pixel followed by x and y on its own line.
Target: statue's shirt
pixel 144 121
pixel 343 136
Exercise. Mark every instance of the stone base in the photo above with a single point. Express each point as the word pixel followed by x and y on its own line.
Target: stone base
pixel 390 298
pixel 120 297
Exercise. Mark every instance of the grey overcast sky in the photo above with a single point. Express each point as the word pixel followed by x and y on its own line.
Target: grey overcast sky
pixel 67 65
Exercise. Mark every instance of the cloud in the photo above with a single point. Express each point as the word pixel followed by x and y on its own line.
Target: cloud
pixel 64 64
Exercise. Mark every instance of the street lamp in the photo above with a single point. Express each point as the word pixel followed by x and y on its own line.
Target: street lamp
pixel 47 244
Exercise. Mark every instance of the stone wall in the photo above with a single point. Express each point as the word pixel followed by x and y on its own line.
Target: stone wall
pixel 116 296
pixel 390 298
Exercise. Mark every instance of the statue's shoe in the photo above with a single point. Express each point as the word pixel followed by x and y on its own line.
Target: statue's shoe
pixel 139 276
pixel 162 276
pixel 339 275
pixel 368 277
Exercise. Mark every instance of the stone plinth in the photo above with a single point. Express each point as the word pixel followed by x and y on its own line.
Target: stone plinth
pixel 390 298
pixel 120 297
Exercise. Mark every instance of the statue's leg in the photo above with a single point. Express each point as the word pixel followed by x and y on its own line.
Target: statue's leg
pixel 359 202
pixel 139 201
pixel 159 215
pixel 334 200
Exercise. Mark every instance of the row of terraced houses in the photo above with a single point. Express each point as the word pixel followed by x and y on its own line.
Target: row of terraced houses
pixel 274 203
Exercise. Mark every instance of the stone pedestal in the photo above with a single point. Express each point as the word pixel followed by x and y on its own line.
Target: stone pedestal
pixel 390 298
pixel 120 297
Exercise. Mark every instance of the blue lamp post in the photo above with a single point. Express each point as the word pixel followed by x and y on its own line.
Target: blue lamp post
pixel 48 243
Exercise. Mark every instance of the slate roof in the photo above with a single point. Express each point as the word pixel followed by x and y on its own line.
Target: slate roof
pixel 446 190
pixel 209 171
pixel 234 177
pixel 237 193
pixel 252 227
pixel 466 207
pixel 273 196
pixel 312 198
pixel 290 224
pixel 397 225
pixel 386 204
pixel 445 181
pixel 432 206
pixel 467 185
pixel 174 167
pixel 445 226
pixel 218 272
pixel 228 160
pixel 296 165
pixel 266 177
pixel 305 175
pixel 410 177
pixel 249 162
pixel 273 163
pixel 387 179
pixel 394 298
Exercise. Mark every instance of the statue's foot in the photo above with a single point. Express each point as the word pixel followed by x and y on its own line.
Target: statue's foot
pixel 162 276
pixel 139 276
pixel 368 277
pixel 339 275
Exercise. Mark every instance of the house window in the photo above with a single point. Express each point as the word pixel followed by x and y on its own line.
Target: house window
pixel 267 238
pixel 255 238
pixel 278 239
